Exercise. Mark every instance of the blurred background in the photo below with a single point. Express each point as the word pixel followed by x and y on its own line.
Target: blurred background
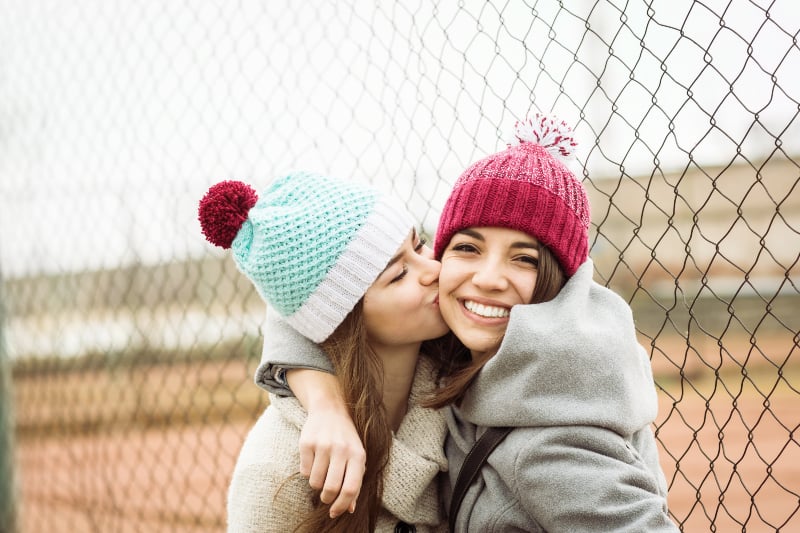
pixel 128 344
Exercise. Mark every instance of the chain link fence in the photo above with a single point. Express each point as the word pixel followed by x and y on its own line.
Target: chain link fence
pixel 127 345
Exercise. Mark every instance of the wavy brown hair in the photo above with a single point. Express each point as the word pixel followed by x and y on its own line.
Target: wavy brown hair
pixel 360 373
pixel 460 371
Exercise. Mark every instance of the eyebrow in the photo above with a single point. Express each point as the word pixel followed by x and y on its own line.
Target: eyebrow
pixel 533 244
pixel 400 254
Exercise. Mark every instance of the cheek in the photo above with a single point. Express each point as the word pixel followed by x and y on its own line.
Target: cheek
pixel 448 277
pixel 389 307
pixel 449 309
pixel 448 304
pixel 447 285
pixel 526 286
pixel 374 307
pixel 401 318
pixel 376 320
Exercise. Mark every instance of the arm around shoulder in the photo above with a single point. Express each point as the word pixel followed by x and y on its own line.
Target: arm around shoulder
pixel 285 348
pixel 332 455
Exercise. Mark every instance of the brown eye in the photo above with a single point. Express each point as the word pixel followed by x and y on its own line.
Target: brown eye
pixel 464 247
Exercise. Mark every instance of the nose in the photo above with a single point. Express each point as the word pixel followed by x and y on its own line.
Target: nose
pixel 429 270
pixel 489 276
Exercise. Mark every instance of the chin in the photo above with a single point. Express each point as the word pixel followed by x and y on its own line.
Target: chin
pixel 480 345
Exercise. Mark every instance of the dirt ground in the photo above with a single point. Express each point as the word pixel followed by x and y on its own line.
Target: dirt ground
pixel 728 448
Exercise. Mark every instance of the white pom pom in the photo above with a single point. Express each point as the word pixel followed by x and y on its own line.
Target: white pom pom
pixel 549 132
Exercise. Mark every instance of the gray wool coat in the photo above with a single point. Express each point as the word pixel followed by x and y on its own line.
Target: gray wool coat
pixel 572 379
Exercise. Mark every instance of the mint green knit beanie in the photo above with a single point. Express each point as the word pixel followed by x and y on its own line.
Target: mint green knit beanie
pixel 312 245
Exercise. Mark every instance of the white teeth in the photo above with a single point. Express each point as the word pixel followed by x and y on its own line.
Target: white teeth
pixel 486 310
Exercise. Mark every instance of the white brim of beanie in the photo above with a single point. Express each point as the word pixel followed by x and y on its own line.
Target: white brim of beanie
pixel 355 270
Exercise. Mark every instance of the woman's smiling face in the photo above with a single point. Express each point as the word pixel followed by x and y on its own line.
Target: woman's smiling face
pixel 486 271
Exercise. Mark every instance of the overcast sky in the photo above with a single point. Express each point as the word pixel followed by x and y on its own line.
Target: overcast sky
pixel 115 116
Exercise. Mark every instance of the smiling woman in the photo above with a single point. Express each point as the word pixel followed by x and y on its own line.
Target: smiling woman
pixel 546 353
pixel 482 262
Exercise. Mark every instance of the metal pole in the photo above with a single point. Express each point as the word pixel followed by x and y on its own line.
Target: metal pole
pixel 8 511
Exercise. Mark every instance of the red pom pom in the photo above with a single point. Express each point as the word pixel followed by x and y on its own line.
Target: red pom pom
pixel 224 209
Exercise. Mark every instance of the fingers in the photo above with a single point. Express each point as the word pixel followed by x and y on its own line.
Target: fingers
pixel 318 473
pixel 307 456
pixel 350 487
pixel 335 470
pixel 333 459
pixel 333 481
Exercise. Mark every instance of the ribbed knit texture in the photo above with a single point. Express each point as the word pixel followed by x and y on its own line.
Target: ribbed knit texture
pixel 384 228
pixel 527 189
pixel 312 245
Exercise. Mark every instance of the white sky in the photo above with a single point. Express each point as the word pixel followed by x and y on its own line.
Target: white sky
pixel 115 116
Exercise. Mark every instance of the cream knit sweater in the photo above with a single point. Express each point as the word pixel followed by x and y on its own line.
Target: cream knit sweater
pixel 267 495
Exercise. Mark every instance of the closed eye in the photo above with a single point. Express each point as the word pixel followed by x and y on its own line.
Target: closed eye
pixel 400 276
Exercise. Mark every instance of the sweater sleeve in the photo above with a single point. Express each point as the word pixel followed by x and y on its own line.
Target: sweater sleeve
pixel 266 494
pixel 285 348
pixel 261 501
pixel 586 478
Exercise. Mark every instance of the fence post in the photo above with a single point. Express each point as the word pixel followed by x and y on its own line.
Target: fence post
pixel 8 514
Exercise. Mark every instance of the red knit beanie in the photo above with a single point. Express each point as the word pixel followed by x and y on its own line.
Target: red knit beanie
pixel 528 188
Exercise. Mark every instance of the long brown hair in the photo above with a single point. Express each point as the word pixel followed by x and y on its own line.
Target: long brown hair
pixel 461 370
pixel 360 375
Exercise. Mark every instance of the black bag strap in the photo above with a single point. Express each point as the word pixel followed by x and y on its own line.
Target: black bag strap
pixel 472 464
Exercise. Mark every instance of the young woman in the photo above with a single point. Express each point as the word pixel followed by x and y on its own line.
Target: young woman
pixel 544 350
pixel 341 266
